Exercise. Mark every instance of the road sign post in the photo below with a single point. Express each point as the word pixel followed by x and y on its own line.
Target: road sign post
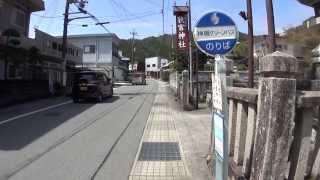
pixel 216 34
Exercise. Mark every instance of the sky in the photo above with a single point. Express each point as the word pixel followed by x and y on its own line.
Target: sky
pixel 144 16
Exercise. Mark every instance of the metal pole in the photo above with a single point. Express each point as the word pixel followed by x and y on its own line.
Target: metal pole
pixel 64 43
pixel 162 11
pixel 271 28
pixel 250 43
pixel 171 53
pixel 190 49
pixel 197 79
pixel 132 53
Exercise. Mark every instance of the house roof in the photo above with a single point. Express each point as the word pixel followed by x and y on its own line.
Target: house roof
pixel 36 5
pixel 92 35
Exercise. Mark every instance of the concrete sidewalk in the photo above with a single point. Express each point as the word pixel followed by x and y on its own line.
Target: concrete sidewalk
pixel 174 144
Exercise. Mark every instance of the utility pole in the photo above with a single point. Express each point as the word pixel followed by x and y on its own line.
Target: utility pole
pixel 64 43
pixel 65 32
pixel 190 49
pixel 133 33
pixel 171 53
pixel 271 28
pixel 197 79
pixel 250 43
pixel 162 12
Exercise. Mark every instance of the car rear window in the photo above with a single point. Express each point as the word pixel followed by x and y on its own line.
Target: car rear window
pixel 85 76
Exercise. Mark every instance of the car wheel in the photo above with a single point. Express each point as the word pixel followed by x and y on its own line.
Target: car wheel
pixel 111 94
pixel 100 97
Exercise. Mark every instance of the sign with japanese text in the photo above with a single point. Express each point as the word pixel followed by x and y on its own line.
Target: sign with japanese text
pixel 216 92
pixel 215 33
pixel 182 31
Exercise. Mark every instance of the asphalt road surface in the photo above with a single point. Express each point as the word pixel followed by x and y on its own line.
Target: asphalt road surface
pixel 55 139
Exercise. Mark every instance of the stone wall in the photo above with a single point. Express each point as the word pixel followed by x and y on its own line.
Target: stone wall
pixel 13 91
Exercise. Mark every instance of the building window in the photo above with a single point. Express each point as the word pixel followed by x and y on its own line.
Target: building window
pixel 148 65
pixel 89 49
pixel 153 65
pixel 60 47
pixel 54 45
pixel 115 51
pixel 19 18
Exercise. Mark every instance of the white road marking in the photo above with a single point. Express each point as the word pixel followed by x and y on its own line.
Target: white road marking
pixel 34 112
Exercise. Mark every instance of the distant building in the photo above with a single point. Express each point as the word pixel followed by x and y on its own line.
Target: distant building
pixel 311 22
pixel 153 66
pixel 123 69
pixel 100 51
pixel 261 47
pixel 133 67
pixel 50 63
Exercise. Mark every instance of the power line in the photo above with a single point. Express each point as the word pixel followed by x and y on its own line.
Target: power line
pixel 47 17
pixel 152 2
pixel 44 14
pixel 119 20
pixel 50 21
pixel 125 9
pixel 120 6
pixel 93 17
pixel 137 16
pixel 134 18
pixel 140 14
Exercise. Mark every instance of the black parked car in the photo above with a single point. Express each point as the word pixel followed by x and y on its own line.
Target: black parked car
pixel 91 84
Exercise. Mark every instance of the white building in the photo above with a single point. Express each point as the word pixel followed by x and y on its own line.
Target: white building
pixel 261 47
pixel 153 65
pixel 101 51
pixel 133 67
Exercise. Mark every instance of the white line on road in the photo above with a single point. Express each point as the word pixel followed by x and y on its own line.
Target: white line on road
pixel 34 112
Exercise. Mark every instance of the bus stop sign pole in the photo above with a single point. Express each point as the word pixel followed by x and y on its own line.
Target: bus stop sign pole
pixel 216 34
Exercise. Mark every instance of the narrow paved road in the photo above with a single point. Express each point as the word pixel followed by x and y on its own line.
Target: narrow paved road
pixel 57 139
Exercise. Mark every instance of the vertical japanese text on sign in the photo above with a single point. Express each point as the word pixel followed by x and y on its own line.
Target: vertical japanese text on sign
pixel 182 27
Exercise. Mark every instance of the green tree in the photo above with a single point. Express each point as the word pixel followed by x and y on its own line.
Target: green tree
pixel 308 38
pixel 240 51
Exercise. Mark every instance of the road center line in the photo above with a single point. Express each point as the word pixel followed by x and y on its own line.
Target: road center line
pixel 34 112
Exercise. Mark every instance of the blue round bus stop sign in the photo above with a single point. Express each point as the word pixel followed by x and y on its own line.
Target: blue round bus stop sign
pixel 215 33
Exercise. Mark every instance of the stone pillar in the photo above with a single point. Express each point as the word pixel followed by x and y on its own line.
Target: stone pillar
pixel 315 82
pixel 185 89
pixel 275 117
